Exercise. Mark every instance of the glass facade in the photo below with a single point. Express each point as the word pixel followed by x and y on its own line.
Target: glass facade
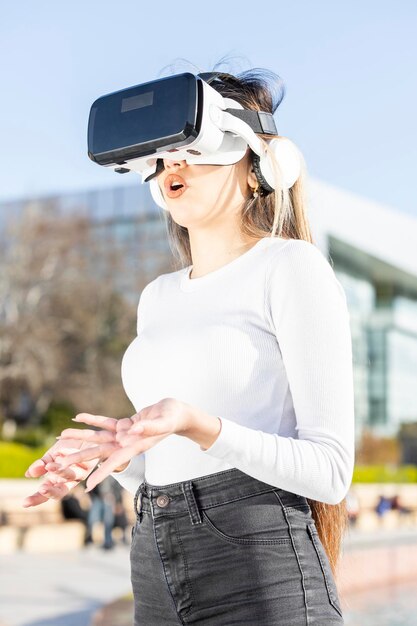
pixel 402 362
pixel 360 296
pixel 383 315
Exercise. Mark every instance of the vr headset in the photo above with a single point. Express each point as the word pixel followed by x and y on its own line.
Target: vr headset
pixel 182 117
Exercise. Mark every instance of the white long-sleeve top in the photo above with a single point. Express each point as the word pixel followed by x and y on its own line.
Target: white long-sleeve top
pixel 264 343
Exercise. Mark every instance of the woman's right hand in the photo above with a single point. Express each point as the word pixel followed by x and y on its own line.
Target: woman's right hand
pixel 59 478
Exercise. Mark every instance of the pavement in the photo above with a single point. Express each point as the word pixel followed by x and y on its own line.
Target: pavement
pixel 69 588
pixel 355 539
pixel 63 589
pixel 117 613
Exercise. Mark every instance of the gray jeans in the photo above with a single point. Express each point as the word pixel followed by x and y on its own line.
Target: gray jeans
pixel 228 549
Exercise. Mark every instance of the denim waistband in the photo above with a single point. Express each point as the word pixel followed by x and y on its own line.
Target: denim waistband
pixel 205 492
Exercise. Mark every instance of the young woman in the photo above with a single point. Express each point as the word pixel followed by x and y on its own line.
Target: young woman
pixel 242 450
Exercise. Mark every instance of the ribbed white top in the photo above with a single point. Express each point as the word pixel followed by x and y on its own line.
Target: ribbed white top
pixel 264 343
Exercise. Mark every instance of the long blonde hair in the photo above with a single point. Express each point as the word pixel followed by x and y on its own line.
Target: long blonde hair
pixel 282 213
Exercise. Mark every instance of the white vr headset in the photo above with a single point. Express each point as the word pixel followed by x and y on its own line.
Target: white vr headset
pixel 182 117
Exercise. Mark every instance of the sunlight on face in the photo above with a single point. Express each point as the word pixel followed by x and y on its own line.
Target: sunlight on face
pixel 213 191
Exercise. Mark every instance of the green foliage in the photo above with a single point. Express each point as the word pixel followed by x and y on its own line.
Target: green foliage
pixel 15 458
pixel 33 436
pixel 385 474
pixel 58 417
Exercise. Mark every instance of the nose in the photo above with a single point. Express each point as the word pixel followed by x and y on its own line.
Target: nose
pixel 171 164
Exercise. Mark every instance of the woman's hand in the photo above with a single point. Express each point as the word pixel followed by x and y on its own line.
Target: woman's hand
pixel 133 435
pixel 61 477
pixel 118 441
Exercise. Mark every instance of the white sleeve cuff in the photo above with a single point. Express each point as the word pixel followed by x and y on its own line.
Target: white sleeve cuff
pixel 226 439
pixel 131 477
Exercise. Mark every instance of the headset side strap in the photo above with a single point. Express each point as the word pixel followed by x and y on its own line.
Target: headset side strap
pixel 259 121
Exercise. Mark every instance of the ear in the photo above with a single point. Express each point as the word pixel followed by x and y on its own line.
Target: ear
pixel 251 177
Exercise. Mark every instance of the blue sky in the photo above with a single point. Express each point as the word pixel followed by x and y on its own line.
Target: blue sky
pixel 349 69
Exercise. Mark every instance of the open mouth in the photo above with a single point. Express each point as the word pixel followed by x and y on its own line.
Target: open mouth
pixel 174 185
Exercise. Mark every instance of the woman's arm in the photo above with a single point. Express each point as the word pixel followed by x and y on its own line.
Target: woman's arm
pixel 307 310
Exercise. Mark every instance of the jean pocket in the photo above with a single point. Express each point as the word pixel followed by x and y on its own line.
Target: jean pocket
pixel 325 568
pixel 254 519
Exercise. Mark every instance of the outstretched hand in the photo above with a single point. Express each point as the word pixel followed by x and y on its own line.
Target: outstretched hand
pixel 60 478
pixel 133 435
pixel 115 442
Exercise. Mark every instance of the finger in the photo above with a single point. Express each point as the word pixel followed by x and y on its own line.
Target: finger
pixel 58 461
pixel 125 439
pixel 33 500
pixel 47 491
pixel 55 466
pixel 157 426
pixel 110 423
pixel 117 458
pixel 36 469
pixel 87 434
pixel 68 442
pixel 57 491
pixel 62 474
pixel 101 451
pixel 55 478
pixel 124 423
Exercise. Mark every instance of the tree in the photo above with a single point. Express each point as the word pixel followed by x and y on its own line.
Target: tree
pixel 377 450
pixel 64 323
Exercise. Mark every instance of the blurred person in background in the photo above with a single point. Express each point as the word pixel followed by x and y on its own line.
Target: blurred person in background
pixel 396 505
pixel 120 517
pixel 382 506
pixel 72 509
pixel 102 510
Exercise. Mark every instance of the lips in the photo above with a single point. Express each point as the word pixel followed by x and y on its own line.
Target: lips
pixel 174 186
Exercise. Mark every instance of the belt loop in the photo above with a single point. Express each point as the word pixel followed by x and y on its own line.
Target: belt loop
pixel 194 511
pixel 138 498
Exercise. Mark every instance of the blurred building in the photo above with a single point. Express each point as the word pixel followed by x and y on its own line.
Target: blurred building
pixel 373 251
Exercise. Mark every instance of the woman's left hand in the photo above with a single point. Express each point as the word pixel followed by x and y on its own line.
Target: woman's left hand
pixel 134 434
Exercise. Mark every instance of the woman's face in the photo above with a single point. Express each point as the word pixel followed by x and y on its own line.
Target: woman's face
pixel 208 192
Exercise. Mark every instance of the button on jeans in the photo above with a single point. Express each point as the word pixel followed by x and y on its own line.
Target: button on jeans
pixel 228 549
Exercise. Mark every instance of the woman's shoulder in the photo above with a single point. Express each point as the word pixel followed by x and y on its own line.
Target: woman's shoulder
pixel 299 253
pixel 300 269
pixel 301 264
pixel 294 246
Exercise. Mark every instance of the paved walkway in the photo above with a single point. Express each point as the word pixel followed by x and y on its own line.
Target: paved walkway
pixel 61 589
pixel 67 589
